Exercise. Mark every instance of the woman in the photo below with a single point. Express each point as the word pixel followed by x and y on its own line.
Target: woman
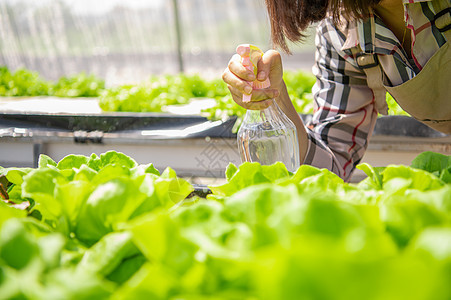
pixel 364 49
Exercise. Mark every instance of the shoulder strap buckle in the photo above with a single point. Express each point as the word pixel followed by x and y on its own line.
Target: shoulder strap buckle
pixel 444 23
pixel 366 60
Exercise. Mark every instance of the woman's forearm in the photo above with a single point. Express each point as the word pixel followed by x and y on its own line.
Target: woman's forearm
pixel 287 107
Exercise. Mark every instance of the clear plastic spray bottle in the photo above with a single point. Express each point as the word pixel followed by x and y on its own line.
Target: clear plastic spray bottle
pixel 266 136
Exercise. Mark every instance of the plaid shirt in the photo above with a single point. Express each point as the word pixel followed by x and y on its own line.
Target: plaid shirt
pixel 345 111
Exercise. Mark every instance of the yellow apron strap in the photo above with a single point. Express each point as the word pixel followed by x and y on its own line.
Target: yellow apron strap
pixel 370 65
pixel 374 80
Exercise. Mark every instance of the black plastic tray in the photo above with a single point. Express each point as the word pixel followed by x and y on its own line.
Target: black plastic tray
pixel 120 122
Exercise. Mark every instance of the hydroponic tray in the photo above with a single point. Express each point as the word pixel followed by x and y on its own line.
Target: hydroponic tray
pixel 189 143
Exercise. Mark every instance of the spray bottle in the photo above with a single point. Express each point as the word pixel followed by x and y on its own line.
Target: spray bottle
pixel 266 136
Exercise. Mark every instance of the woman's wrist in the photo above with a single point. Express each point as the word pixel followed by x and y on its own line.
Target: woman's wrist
pixel 284 102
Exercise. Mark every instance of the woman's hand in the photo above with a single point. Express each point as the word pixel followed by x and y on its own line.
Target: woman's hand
pixel 239 80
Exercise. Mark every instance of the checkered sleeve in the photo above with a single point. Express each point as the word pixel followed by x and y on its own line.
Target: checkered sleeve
pixel 345 113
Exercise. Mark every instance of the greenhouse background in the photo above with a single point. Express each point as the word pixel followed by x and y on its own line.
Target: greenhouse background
pixel 121 178
pixel 126 41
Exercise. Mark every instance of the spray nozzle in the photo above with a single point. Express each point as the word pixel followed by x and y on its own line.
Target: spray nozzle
pixel 250 56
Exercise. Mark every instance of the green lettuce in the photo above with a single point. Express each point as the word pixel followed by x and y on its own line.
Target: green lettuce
pixel 105 227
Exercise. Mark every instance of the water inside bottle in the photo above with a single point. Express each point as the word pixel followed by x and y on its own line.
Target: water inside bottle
pixel 267 144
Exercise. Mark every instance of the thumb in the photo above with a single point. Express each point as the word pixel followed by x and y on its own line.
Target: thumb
pixel 270 61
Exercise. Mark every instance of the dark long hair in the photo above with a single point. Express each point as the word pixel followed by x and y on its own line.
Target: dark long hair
pixel 289 18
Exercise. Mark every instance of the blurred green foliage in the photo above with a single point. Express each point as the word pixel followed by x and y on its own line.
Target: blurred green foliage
pixel 81 85
pixel 154 94
pixel 22 83
pixel 158 92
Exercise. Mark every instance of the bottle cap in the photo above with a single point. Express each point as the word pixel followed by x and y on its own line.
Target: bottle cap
pixel 250 55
